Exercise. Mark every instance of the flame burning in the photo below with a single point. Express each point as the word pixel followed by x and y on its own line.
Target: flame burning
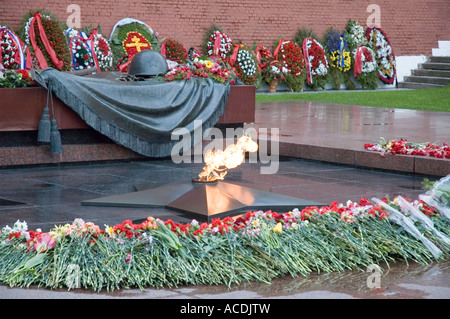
pixel 218 162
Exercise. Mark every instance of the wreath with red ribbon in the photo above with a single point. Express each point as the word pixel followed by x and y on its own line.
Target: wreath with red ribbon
pixel 219 44
pixel 315 59
pixel 291 56
pixel 47 42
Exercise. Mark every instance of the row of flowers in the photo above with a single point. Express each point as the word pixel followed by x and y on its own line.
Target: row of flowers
pixel 255 246
pixel 403 147
pixel 46 44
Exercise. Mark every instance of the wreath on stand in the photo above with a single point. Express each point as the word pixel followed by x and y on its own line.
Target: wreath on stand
pixel 245 64
pixel 363 57
pixel 340 59
pixel 316 63
pixel 103 54
pixel 379 43
pixel 174 50
pixel 130 36
pixel 82 56
pixel 291 56
pixel 216 43
pixel 365 67
pixel 11 50
pixel 45 42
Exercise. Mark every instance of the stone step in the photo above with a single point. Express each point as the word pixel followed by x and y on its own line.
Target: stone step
pixel 439 59
pixel 444 44
pixel 415 85
pixel 427 79
pixel 431 72
pixel 435 66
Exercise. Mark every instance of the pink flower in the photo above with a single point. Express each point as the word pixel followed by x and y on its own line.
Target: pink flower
pixel 43 242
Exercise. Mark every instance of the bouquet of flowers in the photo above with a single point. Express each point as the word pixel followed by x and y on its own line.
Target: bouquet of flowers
pixel 403 147
pixel 15 79
pixel 200 67
pixel 11 49
pixel 173 50
pixel 259 245
pixel 273 71
pixel 380 44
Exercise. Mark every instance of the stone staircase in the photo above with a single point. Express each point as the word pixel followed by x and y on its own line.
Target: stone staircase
pixel 435 72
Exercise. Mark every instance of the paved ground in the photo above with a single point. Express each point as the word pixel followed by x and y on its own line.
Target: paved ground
pixel 45 196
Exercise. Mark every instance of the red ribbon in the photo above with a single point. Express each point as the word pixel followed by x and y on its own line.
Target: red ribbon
pixel 234 55
pixel 92 42
pixel 163 49
pixel 358 63
pixel 42 62
pixel 217 41
pixel 277 49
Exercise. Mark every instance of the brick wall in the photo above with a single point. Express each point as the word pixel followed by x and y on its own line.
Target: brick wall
pixel 413 26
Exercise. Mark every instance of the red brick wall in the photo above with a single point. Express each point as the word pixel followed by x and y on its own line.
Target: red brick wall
pixel 414 26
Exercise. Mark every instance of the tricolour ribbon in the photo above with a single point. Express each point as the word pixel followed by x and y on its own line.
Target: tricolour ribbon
pixel 92 46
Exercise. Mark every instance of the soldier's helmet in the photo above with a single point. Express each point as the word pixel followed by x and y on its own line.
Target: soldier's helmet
pixel 148 63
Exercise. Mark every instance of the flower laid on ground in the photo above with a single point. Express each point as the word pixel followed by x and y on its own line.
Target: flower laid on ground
pixel 403 147
pixel 16 79
pixel 255 246
pixel 380 44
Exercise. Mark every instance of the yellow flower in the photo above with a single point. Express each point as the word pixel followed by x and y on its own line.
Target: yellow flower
pixel 208 64
pixel 278 229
